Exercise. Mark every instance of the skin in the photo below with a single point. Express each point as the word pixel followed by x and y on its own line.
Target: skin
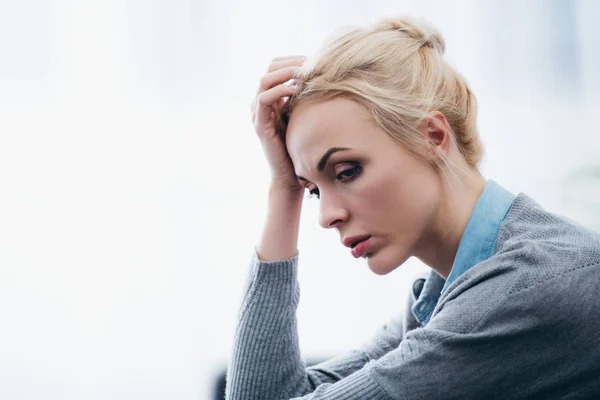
pixel 379 189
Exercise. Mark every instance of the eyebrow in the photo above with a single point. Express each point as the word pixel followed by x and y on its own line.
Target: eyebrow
pixel 323 161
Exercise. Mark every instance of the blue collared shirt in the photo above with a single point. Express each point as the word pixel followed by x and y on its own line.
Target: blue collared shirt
pixel 478 243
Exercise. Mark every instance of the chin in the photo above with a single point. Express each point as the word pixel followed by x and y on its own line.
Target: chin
pixel 382 264
pixel 379 265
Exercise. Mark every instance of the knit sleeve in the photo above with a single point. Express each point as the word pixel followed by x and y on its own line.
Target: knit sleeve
pixel 266 362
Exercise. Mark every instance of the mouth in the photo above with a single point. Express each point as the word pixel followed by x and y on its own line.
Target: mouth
pixel 359 248
pixel 354 240
pixel 353 245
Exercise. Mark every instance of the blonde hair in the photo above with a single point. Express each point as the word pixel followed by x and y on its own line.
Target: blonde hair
pixel 395 69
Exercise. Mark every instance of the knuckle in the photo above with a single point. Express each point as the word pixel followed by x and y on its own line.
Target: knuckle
pixel 262 99
pixel 293 70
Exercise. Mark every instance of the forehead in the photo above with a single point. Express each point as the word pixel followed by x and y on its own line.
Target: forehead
pixel 315 127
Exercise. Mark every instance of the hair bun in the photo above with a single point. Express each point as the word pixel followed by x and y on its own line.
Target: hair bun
pixel 418 29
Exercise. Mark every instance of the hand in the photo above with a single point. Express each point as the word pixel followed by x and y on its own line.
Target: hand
pixel 270 98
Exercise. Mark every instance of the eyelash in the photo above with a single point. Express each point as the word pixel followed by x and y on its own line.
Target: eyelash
pixel 356 170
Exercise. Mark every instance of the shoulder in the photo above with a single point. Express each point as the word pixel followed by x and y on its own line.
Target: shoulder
pixel 528 222
pixel 537 245
pixel 534 245
pixel 541 259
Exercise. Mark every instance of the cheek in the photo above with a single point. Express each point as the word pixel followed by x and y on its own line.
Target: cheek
pixel 371 199
pixel 397 202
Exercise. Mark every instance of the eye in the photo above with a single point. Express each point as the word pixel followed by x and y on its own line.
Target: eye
pixel 349 173
pixel 346 175
pixel 313 192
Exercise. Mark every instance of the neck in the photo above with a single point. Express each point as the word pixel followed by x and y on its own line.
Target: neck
pixel 438 247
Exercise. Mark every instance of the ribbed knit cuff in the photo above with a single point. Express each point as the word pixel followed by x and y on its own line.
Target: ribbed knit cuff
pixel 275 271
pixel 273 283
pixel 359 386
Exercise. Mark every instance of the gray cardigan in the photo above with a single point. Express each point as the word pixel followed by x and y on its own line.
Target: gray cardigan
pixel 524 323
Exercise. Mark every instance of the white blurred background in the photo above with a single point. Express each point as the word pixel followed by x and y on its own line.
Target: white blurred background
pixel 132 188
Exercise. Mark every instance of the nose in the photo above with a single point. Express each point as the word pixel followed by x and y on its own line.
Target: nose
pixel 331 213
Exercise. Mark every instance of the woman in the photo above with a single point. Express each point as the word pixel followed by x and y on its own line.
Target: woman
pixel 382 131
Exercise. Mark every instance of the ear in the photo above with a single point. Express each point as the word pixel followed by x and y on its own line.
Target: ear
pixel 437 131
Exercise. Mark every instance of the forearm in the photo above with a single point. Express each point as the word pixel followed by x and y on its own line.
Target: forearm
pixel 279 239
pixel 266 362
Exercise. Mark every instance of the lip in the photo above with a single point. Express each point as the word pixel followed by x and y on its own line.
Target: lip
pixel 361 248
pixel 348 242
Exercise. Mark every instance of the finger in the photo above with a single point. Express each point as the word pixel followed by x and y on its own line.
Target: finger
pixel 292 84
pixel 253 106
pixel 276 65
pixel 285 91
pixel 268 99
pixel 287 57
pixel 275 78
pixel 271 97
pixel 279 104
